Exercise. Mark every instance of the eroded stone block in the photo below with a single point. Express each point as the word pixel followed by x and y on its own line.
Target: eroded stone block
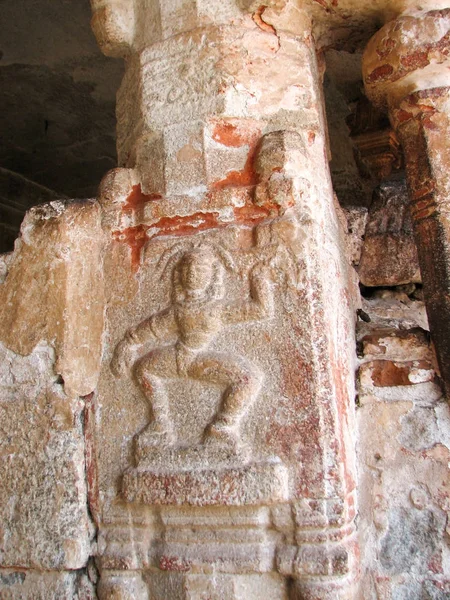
pixel 43 498
pixel 51 330
pixel 53 291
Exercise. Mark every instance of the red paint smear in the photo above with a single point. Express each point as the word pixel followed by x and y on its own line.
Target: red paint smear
pixel 301 434
pixel 437 92
pixel 257 18
pixel 243 178
pixel 137 199
pixel 428 123
pixel 435 564
pixel 403 115
pixel 235 136
pixel 416 60
pixel 199 221
pixel 388 46
pixel 238 178
pixel 250 214
pixel 173 563
pixel 424 191
pixel 135 237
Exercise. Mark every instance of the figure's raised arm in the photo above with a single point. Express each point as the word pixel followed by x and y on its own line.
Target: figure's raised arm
pixel 260 304
pixel 113 23
pixel 158 327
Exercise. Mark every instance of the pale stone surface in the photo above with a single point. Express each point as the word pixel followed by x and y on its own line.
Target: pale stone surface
pixel 177 375
pixel 51 330
pixel 53 290
pixel 44 515
pixel 355 226
pixel 204 309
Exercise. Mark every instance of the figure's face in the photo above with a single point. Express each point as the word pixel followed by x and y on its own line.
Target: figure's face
pixel 196 270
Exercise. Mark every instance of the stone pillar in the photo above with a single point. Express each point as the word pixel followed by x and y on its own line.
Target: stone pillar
pixel 222 456
pixel 406 70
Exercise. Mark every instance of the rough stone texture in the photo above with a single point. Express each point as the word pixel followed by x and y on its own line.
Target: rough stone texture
pixel 178 357
pixel 355 227
pixel 53 290
pixel 404 444
pixel 44 516
pixel 389 255
pixel 51 332
pixel 38 585
pixel 204 464
pixel 405 68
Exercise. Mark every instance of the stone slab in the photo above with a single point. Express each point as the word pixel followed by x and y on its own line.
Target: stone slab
pixel 18 584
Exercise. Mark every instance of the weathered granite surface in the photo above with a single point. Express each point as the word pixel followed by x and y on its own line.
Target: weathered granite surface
pixel 177 379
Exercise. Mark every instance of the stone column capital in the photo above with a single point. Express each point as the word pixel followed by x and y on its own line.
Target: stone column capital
pixel 113 24
pixel 409 54
pixel 125 26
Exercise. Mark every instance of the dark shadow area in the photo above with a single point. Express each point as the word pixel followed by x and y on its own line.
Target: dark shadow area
pixel 57 107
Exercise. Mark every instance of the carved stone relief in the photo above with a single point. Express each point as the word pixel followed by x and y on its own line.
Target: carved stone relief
pixel 211 405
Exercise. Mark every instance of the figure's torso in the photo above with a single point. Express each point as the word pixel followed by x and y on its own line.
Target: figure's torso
pixel 198 323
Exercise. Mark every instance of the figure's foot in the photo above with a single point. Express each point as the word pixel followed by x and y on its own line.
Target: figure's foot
pixel 222 433
pixel 154 435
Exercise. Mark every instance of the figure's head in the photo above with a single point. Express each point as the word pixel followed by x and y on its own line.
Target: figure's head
pixel 196 270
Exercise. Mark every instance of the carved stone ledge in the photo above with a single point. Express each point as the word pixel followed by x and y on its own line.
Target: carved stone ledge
pixel 263 483
pixel 380 151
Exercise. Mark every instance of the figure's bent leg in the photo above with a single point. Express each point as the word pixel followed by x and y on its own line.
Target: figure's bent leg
pixel 149 373
pixel 243 383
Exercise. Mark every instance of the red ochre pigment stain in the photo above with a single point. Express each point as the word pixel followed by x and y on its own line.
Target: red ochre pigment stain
pixel 135 237
pixel 242 178
pixel 236 135
pixel 228 134
pixel 381 72
pixel 137 199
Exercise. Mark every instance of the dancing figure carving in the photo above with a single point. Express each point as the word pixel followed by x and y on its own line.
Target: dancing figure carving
pixel 181 335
